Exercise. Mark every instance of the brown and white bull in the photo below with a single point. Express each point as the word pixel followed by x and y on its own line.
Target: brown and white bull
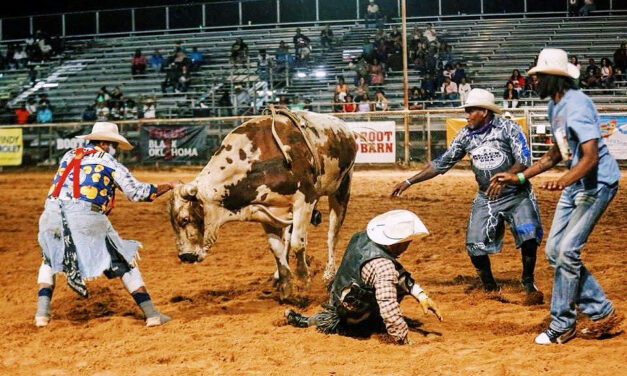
pixel 274 174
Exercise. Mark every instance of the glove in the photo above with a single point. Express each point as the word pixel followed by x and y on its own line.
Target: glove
pixel 429 305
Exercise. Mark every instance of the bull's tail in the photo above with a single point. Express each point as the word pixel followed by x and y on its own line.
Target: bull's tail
pixel 269 213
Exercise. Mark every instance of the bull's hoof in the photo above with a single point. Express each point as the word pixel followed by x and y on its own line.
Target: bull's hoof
pixel 285 290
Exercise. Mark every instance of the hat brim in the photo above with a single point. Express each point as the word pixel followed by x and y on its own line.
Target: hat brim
pixel 571 71
pixel 488 106
pixel 122 142
pixel 377 235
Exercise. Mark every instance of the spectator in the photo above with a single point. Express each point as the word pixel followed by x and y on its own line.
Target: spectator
pixel 592 76
pixel 116 102
pixel 458 73
pixel 531 89
pixel 430 35
pixel 449 90
pixel 373 15
pixel 21 114
pixel 156 61
pixel 44 114
pixel 225 104
pixel 338 103
pixel 444 56
pixel 448 71
pixel 89 113
pixel 607 73
pixel 420 56
pixel 302 46
pixel 510 96
pixel 43 99
pixel 363 105
pixel 102 111
pixel 620 58
pixel 588 6
pixel 130 110
pixel 360 66
pixel 517 80
pixel 463 90
pixel 381 103
pixel 367 49
pixel 326 37
pixel 149 108
pixel 20 58
pixel 32 75
pixel 102 96
pixel 394 33
pixel 574 61
pixel 428 84
pixel 415 99
pixel 361 91
pixel 297 104
pixel 44 48
pixel 572 8
pixel 350 105
pixel 31 106
pixel 138 64
pixel 264 64
pixel 196 59
pixel 308 106
pixel 239 52
pixel 376 73
pixel 341 87
pixel 241 100
pixel 183 81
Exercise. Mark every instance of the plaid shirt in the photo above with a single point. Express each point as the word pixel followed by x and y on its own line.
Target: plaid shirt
pixel 381 274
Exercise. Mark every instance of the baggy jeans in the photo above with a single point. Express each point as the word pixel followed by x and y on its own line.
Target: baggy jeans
pixel 577 213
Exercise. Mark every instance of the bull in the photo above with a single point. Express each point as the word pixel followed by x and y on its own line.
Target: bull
pixel 272 169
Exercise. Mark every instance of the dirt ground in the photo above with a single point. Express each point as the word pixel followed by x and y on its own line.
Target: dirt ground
pixel 226 318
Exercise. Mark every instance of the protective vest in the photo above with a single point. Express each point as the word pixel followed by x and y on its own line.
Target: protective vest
pixel 350 295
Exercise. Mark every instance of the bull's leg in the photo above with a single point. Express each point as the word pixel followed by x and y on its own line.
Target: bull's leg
pixel 302 216
pixel 338 202
pixel 280 249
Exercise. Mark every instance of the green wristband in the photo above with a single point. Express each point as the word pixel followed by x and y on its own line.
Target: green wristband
pixel 521 177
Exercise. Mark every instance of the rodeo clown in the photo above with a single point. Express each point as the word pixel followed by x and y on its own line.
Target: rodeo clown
pixel 370 282
pixel 75 234
pixel 494 144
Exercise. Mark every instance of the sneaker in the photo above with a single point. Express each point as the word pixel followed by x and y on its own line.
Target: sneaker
pixel 41 321
pixel 550 336
pixel 157 320
pixel 295 319
pixel 607 326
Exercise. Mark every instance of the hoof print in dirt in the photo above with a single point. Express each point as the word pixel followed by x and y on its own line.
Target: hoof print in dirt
pixel 180 298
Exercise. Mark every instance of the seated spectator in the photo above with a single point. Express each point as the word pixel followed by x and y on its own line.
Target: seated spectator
pixel 430 35
pixel 102 111
pixel 363 105
pixel 592 75
pixel 350 105
pixel 239 52
pixel 149 109
pixel 448 71
pixel 416 37
pixel 183 81
pixel 20 58
pixel 43 99
pixel 196 59
pixel 31 106
pixel 394 33
pixel 138 64
pixel 21 114
pixel 130 110
pixel 373 15
pixel 44 48
pixel 326 38
pixel 32 75
pixel 572 8
pixel 89 113
pixel 241 100
pixel 341 87
pixel 381 103
pixel 103 95
pixel 297 104
pixel 458 73
pixel 44 114
pixel 531 88
pixel 620 58
pixel 225 104
pixel 444 56
pixel 517 81
pixel 420 56
pixel 415 99
pixel 361 90
pixel 588 6
pixel 302 46
pixel 607 74
pixel 264 64
pixel 308 106
pixel 510 96
pixel 116 102
pixel 428 84
pixel 338 103
pixel 449 90
pixel 376 73
pixel 463 90
pixel 156 61
pixel 367 49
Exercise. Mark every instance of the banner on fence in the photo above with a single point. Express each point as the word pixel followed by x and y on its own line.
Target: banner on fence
pixel 11 146
pixel 173 144
pixel 376 142
pixel 453 126
pixel 66 139
pixel 614 133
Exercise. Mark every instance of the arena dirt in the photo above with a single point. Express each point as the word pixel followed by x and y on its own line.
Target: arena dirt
pixel 227 320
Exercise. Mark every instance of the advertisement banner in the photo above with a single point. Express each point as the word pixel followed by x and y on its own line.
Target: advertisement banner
pixel 173 144
pixel 11 146
pixel 614 133
pixel 66 139
pixel 453 126
pixel 376 142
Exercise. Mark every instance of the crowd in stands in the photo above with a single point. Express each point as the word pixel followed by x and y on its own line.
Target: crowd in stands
pixel 113 105
pixel 34 111
pixel 35 49
pixel 178 67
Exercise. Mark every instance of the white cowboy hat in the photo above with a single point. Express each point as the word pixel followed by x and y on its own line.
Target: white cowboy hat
pixel 555 61
pixel 483 99
pixel 395 226
pixel 104 131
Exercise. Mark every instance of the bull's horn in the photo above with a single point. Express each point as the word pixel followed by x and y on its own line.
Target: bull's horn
pixel 189 191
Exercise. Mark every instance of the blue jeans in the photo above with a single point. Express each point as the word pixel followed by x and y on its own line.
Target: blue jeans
pixel 577 212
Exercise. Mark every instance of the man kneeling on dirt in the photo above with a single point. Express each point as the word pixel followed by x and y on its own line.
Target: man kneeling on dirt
pixel 75 234
pixel 370 281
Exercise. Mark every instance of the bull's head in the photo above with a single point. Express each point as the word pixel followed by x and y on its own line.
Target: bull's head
pixel 188 221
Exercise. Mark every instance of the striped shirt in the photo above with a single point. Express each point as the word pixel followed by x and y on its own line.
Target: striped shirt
pixel 381 274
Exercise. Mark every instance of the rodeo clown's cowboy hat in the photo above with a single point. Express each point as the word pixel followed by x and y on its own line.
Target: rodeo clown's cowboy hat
pixel 483 99
pixel 105 131
pixel 395 226
pixel 555 61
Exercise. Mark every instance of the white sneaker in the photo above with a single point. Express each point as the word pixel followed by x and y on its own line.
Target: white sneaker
pixel 157 320
pixel 41 321
pixel 551 336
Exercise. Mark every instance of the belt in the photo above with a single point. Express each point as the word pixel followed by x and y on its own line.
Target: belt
pixel 96 208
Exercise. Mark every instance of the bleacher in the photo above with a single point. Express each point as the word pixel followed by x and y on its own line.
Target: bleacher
pixel 490 49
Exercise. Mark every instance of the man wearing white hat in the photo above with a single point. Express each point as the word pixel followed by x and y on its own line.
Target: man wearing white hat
pixel 587 189
pixel 494 144
pixel 75 234
pixel 370 282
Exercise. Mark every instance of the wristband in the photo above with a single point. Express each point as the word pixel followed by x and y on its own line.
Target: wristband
pixel 416 291
pixel 408 182
pixel 521 177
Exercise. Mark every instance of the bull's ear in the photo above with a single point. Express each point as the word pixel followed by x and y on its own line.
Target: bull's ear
pixel 189 191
